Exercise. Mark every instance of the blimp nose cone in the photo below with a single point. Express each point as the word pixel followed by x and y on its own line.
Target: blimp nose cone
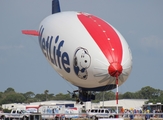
pixel 115 69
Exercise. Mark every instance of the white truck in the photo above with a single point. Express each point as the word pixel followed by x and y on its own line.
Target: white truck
pixel 50 111
pixel 15 114
pixel 73 112
pixel 59 112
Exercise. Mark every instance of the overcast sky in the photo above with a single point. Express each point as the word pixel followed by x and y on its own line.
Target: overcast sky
pixel 24 67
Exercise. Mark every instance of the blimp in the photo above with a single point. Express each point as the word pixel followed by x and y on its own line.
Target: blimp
pixel 85 50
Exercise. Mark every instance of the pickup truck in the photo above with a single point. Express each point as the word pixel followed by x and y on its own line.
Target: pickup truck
pixel 15 114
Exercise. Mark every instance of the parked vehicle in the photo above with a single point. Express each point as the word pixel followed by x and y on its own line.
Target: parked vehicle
pixel 52 111
pixel 59 111
pixel 15 114
pixel 101 113
pixel 73 112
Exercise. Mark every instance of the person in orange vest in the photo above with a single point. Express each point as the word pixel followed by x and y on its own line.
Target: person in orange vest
pixel 122 111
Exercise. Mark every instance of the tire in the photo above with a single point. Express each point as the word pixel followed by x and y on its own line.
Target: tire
pixel 25 118
pixel 56 118
pixel 94 118
pixel 111 117
pixel 3 118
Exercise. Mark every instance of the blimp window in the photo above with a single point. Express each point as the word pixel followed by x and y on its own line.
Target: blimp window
pixel 82 56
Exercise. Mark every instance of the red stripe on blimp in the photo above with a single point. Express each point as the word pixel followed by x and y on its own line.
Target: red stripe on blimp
pixel 104 36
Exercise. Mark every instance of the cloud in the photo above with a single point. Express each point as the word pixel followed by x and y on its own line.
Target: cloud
pixel 8 51
pixel 11 47
pixel 131 32
pixel 151 42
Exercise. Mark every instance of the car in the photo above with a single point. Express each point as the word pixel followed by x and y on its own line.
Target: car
pixel 101 113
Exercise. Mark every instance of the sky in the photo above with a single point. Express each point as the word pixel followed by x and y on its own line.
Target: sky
pixel 24 67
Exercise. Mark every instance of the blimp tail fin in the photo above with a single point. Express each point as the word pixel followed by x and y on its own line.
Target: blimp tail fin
pixel 30 32
pixel 55 6
pixel 55 9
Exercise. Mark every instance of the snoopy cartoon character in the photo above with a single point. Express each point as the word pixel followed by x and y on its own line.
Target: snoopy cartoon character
pixel 81 62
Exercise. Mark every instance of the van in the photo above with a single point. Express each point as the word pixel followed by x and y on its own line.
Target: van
pixel 101 113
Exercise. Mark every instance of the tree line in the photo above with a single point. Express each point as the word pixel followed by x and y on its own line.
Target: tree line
pixel 10 96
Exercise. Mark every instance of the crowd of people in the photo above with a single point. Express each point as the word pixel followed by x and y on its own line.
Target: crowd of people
pixel 147 114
